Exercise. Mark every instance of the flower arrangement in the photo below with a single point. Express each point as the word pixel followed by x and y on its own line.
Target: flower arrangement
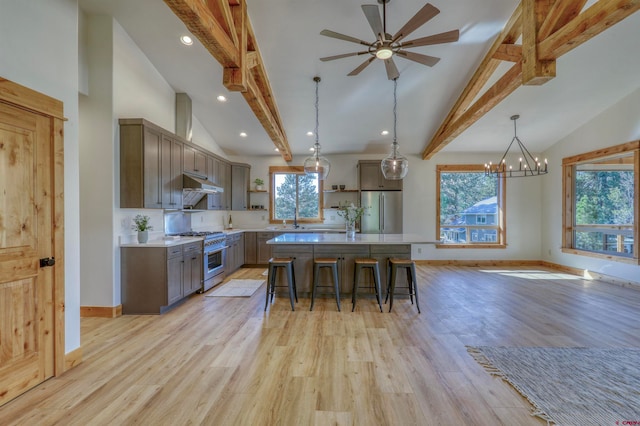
pixel 141 223
pixel 351 213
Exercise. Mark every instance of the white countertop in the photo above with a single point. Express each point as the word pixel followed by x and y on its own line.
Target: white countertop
pixel 164 242
pixel 318 238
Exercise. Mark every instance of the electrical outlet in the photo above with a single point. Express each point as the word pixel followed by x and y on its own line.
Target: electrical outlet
pixel 201 218
pixel 419 250
pixel 263 217
pixel 332 217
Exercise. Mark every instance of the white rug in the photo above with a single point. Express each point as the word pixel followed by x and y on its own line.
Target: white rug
pixel 237 288
pixel 571 386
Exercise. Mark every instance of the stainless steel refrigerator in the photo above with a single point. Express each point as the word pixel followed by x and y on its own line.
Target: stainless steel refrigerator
pixel 385 213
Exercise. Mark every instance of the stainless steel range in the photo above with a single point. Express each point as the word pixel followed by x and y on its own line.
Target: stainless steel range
pixel 214 255
pixel 214 247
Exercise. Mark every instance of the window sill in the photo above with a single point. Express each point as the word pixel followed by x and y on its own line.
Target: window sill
pixel 471 246
pixel 621 259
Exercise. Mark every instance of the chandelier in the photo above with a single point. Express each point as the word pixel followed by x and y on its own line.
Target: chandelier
pixel 395 166
pixel 317 164
pixel 528 165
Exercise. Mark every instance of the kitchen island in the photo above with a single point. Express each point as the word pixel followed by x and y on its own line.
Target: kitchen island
pixel 303 248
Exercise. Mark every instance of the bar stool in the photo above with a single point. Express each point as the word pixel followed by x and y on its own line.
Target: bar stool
pixel 325 262
pixel 412 283
pixel 287 264
pixel 371 264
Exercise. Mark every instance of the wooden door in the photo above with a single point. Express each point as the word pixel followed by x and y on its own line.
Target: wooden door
pixel 27 290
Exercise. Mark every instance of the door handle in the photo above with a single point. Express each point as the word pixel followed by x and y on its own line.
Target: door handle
pixel 47 261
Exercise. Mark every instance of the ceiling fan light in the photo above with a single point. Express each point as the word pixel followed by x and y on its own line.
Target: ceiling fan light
pixel 384 52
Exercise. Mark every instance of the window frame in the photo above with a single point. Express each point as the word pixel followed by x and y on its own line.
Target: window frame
pixel 501 225
pixel 298 170
pixel 569 165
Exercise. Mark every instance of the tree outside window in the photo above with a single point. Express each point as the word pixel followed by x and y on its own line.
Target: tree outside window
pixel 600 217
pixel 295 194
pixel 470 210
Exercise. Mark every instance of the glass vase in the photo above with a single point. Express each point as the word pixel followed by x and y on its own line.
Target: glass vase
pixel 351 230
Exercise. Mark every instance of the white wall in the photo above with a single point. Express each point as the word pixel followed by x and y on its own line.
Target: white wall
pixel 39 50
pixel 97 164
pixel 616 125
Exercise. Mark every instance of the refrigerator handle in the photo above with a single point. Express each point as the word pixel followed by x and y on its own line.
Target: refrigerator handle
pixel 382 209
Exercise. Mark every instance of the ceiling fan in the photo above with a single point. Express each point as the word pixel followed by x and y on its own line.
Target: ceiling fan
pixel 386 45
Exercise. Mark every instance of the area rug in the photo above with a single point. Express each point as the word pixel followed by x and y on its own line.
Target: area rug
pixel 570 386
pixel 237 288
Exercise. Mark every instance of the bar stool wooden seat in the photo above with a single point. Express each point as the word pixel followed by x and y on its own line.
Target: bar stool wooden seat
pixel 412 284
pixel 287 264
pixel 372 265
pixel 325 262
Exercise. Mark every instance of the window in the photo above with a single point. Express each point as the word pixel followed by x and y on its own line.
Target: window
pixel 470 208
pixel 294 194
pixel 600 203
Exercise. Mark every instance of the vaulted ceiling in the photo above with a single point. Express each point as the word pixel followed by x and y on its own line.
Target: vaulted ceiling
pixel 271 92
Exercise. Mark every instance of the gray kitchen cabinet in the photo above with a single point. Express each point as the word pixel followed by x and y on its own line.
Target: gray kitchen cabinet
pixel 193 269
pixel 382 253
pixel 235 252
pixel 194 161
pixel 371 178
pixel 250 248
pixel 150 166
pixel 346 254
pixel 240 186
pixel 263 250
pixel 302 255
pixel 226 184
pixel 215 173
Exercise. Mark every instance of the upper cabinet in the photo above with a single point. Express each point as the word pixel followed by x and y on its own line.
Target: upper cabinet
pixel 150 166
pixel 371 178
pixel 195 161
pixel 240 186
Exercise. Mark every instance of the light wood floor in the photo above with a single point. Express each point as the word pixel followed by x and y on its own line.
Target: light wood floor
pixel 223 361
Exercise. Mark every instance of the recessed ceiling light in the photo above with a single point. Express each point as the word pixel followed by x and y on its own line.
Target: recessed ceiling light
pixel 243 135
pixel 312 149
pixel 309 133
pixel 221 98
pixel 186 40
pixel 276 149
pixel 384 132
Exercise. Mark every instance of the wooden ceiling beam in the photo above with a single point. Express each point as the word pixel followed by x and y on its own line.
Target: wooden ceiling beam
pixel 563 28
pixel 535 71
pixel 224 29
pixel 560 13
pixel 509 35
pixel 509 53
pixel 597 18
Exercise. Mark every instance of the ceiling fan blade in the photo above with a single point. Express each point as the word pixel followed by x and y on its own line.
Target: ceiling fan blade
pixel 446 37
pixel 427 12
pixel 392 70
pixel 373 16
pixel 339 36
pixel 344 55
pixel 420 58
pixel 361 66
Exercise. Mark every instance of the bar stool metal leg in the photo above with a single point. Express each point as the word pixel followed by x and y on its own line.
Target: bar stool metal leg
pixel 336 284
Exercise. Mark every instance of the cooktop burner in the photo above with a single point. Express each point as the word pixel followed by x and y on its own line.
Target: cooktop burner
pixel 206 234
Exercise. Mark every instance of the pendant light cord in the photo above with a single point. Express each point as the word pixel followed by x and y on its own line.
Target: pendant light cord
pixel 317 144
pixel 395 109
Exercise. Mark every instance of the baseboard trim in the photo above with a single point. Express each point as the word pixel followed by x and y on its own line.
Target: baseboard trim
pixel 72 359
pixel 585 274
pixel 100 311
pixel 485 263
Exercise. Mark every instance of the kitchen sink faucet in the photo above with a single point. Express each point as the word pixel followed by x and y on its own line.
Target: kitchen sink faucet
pixel 295 218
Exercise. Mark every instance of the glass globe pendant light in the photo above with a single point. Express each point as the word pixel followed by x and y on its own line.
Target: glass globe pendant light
pixel 317 164
pixel 395 166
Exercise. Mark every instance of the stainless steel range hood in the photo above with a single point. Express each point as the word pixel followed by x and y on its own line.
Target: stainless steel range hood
pixel 195 187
